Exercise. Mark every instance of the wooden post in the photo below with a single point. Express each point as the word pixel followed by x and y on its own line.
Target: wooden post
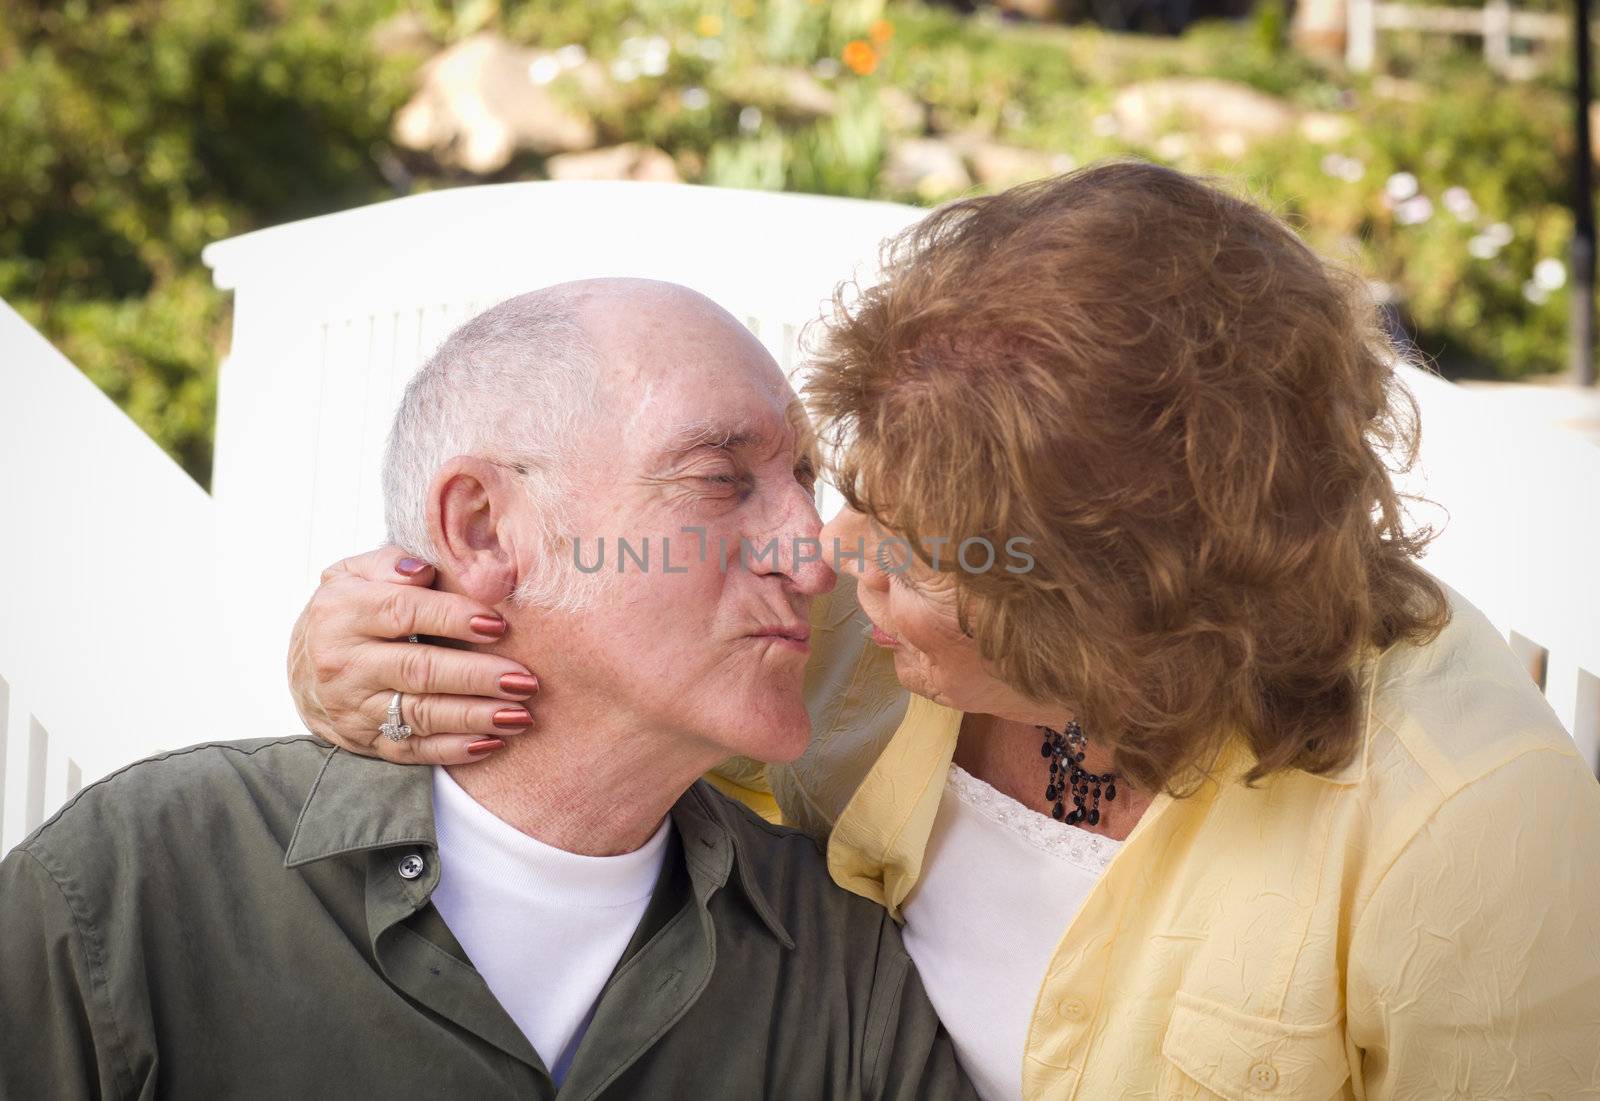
pixel 1583 231
pixel 1497 35
pixel 1361 36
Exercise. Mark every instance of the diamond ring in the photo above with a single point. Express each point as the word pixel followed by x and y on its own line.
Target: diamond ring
pixel 395 729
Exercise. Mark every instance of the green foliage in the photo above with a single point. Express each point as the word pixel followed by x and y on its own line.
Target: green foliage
pixel 136 132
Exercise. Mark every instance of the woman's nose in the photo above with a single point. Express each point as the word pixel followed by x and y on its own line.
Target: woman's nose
pixel 843 542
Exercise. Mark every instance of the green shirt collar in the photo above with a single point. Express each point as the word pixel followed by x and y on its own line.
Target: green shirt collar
pixel 360 803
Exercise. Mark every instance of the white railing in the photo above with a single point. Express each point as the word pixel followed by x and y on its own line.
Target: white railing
pixel 1496 22
pixel 1518 509
pixel 106 588
pixel 111 645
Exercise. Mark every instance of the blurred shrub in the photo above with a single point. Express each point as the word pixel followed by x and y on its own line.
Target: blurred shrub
pixel 136 133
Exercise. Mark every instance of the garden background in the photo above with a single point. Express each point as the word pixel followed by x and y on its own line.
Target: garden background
pixel 133 133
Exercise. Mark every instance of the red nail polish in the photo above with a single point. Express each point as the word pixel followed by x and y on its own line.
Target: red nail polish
pixel 519 684
pixel 410 566
pixel 512 718
pixel 491 625
pixel 485 745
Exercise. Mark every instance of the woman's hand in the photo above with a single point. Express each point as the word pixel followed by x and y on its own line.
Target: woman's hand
pixel 349 653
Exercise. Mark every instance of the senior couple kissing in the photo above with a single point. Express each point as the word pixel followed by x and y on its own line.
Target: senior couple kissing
pixel 1222 796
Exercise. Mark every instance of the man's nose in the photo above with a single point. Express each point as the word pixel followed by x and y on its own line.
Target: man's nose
pixel 800 554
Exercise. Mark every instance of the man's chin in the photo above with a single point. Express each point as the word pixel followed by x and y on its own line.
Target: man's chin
pixel 790 748
pixel 777 733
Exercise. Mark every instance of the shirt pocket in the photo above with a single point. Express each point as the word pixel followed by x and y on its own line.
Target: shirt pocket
pixel 1213 1051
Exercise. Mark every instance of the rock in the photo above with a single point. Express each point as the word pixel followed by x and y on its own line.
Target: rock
pixel 1319 28
pixel 926 167
pixel 1226 116
pixel 903 113
pixel 997 166
pixel 794 93
pixel 403 34
pixel 478 105
pixel 618 162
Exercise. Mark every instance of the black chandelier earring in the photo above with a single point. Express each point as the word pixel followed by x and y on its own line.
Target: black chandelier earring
pixel 1064 749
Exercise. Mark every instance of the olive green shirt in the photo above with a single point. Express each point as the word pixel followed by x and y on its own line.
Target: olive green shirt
pixel 251 919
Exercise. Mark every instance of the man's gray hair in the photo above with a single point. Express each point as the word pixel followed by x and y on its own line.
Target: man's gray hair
pixel 515 385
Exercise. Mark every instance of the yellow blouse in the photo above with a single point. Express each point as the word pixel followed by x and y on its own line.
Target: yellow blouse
pixel 1423 924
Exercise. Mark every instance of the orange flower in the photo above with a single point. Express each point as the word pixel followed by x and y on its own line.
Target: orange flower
pixel 880 32
pixel 861 57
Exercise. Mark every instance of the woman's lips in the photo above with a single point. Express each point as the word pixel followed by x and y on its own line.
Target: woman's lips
pixel 883 639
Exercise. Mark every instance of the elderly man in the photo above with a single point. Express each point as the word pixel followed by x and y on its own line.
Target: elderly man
pixel 277 918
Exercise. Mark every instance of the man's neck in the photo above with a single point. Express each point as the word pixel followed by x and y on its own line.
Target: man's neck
pixel 597 789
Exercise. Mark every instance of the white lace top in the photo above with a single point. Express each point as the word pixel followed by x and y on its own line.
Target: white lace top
pixel 999 882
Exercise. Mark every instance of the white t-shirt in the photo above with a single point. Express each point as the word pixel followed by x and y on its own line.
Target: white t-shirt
pixel 999 882
pixel 544 927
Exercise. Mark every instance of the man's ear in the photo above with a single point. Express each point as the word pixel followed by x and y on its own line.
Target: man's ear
pixel 473 529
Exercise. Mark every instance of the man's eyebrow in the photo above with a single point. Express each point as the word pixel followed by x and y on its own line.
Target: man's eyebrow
pixel 721 436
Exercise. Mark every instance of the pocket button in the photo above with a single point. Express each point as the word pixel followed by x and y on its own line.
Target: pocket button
pixel 1263 1076
pixel 1073 1009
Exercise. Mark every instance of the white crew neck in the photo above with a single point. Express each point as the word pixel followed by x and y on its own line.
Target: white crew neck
pixel 543 926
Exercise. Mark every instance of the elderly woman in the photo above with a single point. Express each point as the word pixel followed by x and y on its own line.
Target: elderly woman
pixel 1205 789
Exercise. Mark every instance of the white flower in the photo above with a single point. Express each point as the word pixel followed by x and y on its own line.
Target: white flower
pixel 1105 125
pixel 750 120
pixel 1414 211
pixel 826 68
pixel 1458 201
pixel 1173 147
pixel 1483 248
pixel 1341 167
pixel 710 48
pixel 1500 234
pixel 1401 186
pixel 1534 293
pixel 624 72
pixel 572 56
pixel 654 56
pixel 696 99
pixel 543 70
pixel 1550 273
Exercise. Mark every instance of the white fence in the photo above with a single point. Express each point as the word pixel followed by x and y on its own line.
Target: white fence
pixel 116 645
pixel 107 600
pixel 1496 22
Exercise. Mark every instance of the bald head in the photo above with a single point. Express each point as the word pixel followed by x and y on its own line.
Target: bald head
pixel 644 332
pixel 547 380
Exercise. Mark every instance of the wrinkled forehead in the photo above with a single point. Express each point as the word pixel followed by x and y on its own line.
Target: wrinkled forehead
pixel 727 398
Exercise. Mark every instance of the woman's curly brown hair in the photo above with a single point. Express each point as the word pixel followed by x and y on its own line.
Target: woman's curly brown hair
pixel 1187 413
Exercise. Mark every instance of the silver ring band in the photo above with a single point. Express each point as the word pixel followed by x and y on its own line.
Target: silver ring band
pixel 395 729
